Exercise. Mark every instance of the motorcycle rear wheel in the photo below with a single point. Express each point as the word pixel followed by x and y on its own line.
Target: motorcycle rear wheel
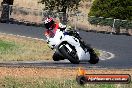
pixel 94 59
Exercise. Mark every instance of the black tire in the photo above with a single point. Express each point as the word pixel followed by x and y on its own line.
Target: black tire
pixel 57 57
pixel 72 58
pixel 81 80
pixel 94 59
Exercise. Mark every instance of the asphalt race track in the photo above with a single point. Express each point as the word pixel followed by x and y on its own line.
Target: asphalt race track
pixel 120 45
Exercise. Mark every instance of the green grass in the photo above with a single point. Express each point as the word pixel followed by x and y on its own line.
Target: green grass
pixel 12 82
pixel 6 46
pixel 22 49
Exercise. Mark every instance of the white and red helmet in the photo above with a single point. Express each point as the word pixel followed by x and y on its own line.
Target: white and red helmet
pixel 48 22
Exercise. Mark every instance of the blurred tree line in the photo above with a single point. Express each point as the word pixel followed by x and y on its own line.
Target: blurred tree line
pixel 114 13
pixel 61 6
pixel 117 9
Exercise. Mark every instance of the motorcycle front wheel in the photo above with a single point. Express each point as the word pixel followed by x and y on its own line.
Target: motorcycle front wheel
pixel 70 55
pixel 56 57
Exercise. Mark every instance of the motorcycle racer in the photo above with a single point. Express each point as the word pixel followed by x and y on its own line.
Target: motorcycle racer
pixel 67 44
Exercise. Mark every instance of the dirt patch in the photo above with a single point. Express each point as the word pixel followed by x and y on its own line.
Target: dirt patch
pixel 37 72
pixel 55 73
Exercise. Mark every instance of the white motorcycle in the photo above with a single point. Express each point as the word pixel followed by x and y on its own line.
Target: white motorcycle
pixel 69 45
